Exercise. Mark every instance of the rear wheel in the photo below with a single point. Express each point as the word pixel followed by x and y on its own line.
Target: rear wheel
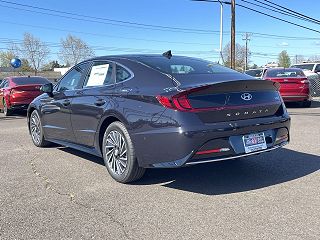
pixel 6 111
pixel 306 104
pixel 36 130
pixel 119 155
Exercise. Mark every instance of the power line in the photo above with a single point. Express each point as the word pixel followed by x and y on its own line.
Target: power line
pixel 280 11
pixel 103 20
pixel 265 14
pixel 105 35
pixel 293 11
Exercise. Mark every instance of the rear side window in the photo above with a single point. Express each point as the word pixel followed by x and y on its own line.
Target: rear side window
pixel 304 66
pixel 4 83
pixel 101 73
pixel 254 73
pixel 122 74
pixel 183 65
pixel 273 73
pixel 29 80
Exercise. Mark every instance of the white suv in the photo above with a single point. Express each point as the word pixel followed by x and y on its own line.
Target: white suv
pixel 313 67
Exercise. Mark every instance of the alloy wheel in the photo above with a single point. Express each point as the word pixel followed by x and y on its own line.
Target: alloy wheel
pixel 5 108
pixel 35 128
pixel 116 152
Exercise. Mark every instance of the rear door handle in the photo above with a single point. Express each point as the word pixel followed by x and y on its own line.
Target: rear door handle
pixel 100 102
pixel 66 102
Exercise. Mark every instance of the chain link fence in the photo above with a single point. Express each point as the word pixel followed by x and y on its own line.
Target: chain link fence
pixel 314 85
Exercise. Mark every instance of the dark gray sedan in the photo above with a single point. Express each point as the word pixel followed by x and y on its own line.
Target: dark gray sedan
pixel 159 111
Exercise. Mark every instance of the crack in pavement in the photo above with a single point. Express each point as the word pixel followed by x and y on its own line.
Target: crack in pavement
pixel 49 186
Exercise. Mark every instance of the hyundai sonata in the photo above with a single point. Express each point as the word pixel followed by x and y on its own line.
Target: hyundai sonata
pixel 159 111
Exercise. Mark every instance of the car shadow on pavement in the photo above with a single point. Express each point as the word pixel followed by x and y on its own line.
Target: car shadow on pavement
pixel 16 115
pixel 237 175
pixel 80 154
pixel 314 104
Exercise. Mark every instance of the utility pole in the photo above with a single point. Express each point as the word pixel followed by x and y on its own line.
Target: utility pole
pixel 221 30
pixel 246 37
pixel 233 35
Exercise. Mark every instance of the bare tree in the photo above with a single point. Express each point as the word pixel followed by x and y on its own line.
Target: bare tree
pixel 314 58
pixel 240 56
pixel 298 59
pixel 34 51
pixel 74 50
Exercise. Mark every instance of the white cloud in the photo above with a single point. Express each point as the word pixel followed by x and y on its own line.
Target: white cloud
pixel 284 44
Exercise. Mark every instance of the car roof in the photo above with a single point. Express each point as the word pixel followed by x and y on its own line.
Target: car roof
pixel 279 68
pixel 305 63
pixel 22 77
pixel 136 57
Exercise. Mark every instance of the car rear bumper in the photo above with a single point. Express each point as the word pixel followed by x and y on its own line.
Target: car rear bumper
pixel 296 98
pixel 177 147
pixel 19 106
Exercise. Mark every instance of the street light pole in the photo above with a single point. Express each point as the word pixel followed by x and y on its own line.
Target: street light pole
pixel 221 30
pixel 233 35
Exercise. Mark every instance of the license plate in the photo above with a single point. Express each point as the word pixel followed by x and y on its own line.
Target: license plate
pixel 254 142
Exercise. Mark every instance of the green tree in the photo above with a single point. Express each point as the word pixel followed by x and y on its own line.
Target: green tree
pixel 51 65
pixel 6 57
pixel 25 66
pixel 284 59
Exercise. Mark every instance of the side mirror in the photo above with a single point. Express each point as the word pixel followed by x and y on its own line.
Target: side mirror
pixel 47 88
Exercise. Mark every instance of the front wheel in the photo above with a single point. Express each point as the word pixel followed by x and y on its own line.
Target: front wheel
pixel 119 155
pixel 36 130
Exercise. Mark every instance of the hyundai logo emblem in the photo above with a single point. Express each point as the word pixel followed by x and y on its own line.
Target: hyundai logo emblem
pixel 246 96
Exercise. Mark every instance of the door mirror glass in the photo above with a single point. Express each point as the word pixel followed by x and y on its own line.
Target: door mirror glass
pixel 47 88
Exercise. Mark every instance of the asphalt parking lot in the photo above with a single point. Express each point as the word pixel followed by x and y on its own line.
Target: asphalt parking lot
pixel 60 193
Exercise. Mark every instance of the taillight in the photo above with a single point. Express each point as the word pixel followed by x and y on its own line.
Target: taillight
pixel 304 81
pixel 178 102
pixel 165 101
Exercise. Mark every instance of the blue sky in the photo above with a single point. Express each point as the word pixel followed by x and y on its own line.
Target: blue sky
pixel 114 39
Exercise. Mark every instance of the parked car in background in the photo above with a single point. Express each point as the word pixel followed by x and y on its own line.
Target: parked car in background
pixel 256 73
pixel 294 85
pixel 313 67
pixel 312 71
pixel 16 93
pixel 154 111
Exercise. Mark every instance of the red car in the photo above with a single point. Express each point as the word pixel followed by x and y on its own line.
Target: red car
pixel 16 93
pixel 294 85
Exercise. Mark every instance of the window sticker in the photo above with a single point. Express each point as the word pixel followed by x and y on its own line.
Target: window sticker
pixel 98 75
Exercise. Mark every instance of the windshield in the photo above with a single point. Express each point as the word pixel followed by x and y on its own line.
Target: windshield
pixel 254 72
pixel 183 65
pixel 29 80
pixel 304 66
pixel 285 72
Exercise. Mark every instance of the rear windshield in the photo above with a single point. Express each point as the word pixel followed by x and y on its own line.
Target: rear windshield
pixel 288 72
pixel 304 66
pixel 254 73
pixel 29 80
pixel 183 65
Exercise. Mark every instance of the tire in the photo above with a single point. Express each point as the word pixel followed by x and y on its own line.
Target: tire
pixel 119 154
pixel 306 104
pixel 6 111
pixel 36 130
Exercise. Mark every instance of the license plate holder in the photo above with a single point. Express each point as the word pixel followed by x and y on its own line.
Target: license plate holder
pixel 254 142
